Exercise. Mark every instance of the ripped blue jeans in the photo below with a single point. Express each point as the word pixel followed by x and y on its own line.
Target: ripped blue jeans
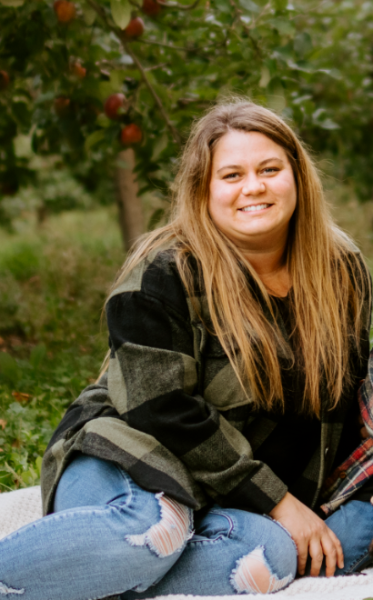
pixel 108 538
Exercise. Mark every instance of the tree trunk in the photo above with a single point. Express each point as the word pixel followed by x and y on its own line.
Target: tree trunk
pixel 131 217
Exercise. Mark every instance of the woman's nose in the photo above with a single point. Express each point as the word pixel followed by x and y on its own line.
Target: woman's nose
pixel 253 186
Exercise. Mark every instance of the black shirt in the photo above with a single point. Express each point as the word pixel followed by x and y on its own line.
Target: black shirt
pixel 292 443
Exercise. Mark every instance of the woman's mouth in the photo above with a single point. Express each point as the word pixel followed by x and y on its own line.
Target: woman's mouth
pixel 255 207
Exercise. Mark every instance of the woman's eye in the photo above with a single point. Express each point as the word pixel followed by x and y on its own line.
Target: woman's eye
pixel 270 170
pixel 231 176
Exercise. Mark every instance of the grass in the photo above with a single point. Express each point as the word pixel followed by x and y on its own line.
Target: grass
pixel 53 283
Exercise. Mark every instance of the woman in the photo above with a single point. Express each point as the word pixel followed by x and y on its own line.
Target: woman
pixel 238 337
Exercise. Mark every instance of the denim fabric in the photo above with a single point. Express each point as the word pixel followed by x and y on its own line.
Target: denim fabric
pixel 94 545
pixel 352 523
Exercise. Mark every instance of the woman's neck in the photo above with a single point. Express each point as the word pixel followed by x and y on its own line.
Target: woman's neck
pixel 271 267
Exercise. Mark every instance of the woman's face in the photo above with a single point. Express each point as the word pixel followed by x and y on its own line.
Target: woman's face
pixel 252 190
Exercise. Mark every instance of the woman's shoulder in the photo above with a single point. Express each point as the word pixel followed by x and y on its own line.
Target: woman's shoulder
pixel 155 277
pixel 353 258
pixel 343 239
pixel 160 261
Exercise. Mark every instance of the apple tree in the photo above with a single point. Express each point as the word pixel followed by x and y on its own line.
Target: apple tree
pixel 108 88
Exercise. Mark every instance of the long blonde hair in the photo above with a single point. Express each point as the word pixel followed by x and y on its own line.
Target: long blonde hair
pixel 329 280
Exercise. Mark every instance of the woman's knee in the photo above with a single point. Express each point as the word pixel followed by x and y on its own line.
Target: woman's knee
pixel 253 574
pixel 170 534
pixel 270 563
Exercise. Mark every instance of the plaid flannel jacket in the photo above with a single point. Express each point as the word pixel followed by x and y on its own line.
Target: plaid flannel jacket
pixel 171 412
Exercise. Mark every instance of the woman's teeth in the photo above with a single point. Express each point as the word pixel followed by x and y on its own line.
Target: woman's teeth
pixel 257 207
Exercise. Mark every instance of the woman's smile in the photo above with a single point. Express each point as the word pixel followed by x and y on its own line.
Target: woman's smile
pixel 252 190
pixel 255 207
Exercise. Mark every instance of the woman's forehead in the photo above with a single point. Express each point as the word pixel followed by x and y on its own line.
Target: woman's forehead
pixel 246 146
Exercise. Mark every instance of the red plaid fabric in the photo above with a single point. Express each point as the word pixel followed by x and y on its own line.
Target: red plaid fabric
pixel 354 472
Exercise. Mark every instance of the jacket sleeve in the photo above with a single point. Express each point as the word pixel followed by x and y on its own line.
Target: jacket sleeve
pixel 152 384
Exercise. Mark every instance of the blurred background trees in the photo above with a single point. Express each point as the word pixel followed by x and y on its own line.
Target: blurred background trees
pixel 80 81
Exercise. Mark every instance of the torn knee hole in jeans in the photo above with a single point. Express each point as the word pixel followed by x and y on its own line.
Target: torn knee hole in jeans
pixel 7 591
pixel 172 531
pixel 253 575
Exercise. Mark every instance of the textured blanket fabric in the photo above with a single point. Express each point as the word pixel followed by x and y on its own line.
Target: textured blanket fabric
pixel 19 508
pixel 24 506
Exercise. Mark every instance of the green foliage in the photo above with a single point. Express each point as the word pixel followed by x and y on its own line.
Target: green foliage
pixel 29 418
pixel 309 61
pixel 54 191
pixel 9 371
pixel 23 261
pixel 51 345
pixel 121 12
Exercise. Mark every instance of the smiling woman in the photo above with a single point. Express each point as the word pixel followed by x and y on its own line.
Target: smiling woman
pixel 252 199
pixel 239 334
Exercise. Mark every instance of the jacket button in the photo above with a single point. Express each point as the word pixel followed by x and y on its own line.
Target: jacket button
pixel 342 475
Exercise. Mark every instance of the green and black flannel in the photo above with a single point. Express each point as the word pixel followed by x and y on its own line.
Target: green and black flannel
pixel 171 412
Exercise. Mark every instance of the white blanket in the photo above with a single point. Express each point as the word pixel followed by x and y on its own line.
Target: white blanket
pixel 24 506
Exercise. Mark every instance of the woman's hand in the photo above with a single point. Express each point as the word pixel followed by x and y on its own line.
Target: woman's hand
pixel 310 534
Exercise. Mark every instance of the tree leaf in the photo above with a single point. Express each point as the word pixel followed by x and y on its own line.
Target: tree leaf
pixel 38 463
pixel 121 12
pixel 104 89
pixel 89 13
pixel 159 146
pixel 328 124
pixel 249 5
pixel 93 139
pixel 265 77
pixel 22 146
pixel 280 4
pixel 283 26
pixel 21 396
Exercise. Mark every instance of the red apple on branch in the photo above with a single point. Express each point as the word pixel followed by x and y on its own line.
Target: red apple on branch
pixel 78 70
pixel 113 104
pixel 61 105
pixel 131 134
pixel 135 28
pixel 151 8
pixel 64 10
pixel 4 80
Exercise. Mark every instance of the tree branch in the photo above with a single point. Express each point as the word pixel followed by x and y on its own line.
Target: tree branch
pixel 157 100
pixel 197 51
pixel 122 37
pixel 249 28
pixel 154 67
pixel 100 11
pixel 170 46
